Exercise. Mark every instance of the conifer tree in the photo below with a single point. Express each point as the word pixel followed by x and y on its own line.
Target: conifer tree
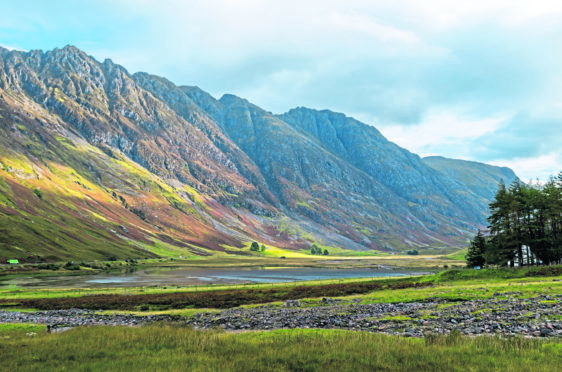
pixel 476 251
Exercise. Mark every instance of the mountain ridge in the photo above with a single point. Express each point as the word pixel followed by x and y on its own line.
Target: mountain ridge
pixel 232 169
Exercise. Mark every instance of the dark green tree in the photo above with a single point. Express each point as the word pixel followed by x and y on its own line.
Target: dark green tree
pixel 502 227
pixel 476 251
pixel 526 224
pixel 326 252
pixel 255 247
pixel 315 249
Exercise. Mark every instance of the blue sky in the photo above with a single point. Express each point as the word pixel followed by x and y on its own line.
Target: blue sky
pixel 475 80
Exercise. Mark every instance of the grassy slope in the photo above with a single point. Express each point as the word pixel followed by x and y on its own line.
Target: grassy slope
pixel 76 210
pixel 175 348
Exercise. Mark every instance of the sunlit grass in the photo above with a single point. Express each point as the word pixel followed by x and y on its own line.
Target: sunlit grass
pixel 174 348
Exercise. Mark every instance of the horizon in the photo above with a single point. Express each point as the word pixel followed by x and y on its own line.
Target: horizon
pixel 476 83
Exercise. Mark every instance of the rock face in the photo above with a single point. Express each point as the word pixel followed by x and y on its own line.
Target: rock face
pixel 175 166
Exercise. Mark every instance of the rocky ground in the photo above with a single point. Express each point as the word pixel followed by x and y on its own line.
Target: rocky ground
pixel 539 316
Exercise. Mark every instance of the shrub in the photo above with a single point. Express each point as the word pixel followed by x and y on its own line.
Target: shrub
pixel 50 266
pixel 255 247
pixel 71 266
pixel 315 249
pixel 38 193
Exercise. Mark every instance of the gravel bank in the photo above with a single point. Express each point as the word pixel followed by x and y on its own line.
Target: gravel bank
pixel 540 316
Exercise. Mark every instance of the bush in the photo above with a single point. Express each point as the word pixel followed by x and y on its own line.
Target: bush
pixel 71 266
pixel 38 193
pixel 315 249
pixel 50 266
pixel 255 247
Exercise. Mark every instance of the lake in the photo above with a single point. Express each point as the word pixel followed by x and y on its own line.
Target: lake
pixel 193 276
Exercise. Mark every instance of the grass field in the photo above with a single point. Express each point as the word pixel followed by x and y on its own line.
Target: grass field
pixel 174 348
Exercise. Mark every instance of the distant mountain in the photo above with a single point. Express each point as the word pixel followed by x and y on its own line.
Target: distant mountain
pixel 481 179
pixel 96 162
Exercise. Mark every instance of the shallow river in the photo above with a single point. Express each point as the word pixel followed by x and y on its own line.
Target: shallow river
pixel 189 276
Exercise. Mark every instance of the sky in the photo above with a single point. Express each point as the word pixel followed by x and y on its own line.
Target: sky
pixel 475 80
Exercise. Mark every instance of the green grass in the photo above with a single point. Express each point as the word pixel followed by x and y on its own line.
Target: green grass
pixel 173 348
pixel 458 255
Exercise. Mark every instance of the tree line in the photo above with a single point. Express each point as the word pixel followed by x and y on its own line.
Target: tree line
pixel 525 227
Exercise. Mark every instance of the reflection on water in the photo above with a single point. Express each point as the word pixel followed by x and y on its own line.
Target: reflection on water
pixel 183 276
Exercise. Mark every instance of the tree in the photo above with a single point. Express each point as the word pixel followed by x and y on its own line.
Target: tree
pixel 255 247
pixel 38 193
pixel 526 224
pixel 502 227
pixel 263 248
pixel 326 252
pixel 476 251
pixel 315 249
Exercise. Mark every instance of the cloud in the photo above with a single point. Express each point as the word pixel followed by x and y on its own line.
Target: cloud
pixel 11 47
pixel 365 25
pixel 539 167
pixel 444 132
pixel 526 142
pixel 523 136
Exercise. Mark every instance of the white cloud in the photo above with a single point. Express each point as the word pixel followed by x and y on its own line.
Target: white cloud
pixel 443 129
pixel 365 25
pixel 12 47
pixel 529 169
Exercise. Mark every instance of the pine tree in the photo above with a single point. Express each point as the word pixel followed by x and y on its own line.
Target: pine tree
pixel 500 221
pixel 476 251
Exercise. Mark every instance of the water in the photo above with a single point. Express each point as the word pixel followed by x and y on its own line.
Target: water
pixel 189 276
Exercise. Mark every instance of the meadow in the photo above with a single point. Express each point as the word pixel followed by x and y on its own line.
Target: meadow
pixel 174 348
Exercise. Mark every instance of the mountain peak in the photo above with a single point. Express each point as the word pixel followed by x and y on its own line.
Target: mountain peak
pixel 230 99
pixel 71 49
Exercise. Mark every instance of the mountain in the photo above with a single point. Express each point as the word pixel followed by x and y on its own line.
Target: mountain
pixel 481 179
pixel 98 162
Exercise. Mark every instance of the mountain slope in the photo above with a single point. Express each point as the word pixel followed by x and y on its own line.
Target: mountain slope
pixel 481 179
pixel 98 162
